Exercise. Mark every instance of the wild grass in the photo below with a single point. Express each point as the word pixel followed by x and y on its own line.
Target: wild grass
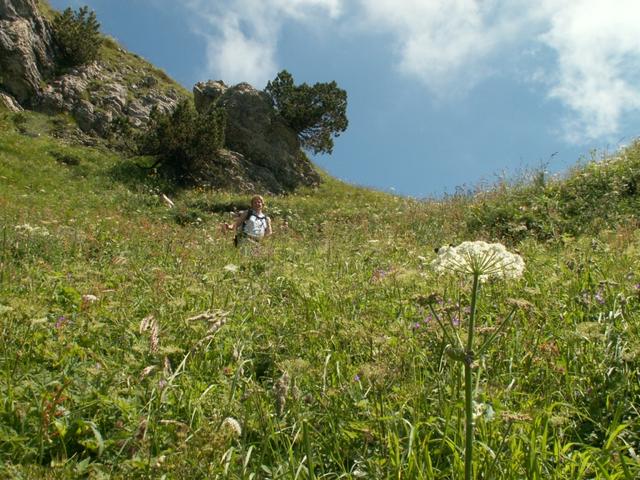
pixel 131 332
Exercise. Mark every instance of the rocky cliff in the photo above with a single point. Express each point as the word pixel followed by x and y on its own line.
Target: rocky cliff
pixel 26 52
pixel 261 152
pixel 120 85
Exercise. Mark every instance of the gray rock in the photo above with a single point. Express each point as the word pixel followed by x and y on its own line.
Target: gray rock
pixel 10 103
pixel 271 150
pixel 205 93
pixel 115 97
pixel 26 51
pixel 149 81
pixel 49 101
pixel 102 122
pixel 84 115
pixel 138 110
pixel 12 9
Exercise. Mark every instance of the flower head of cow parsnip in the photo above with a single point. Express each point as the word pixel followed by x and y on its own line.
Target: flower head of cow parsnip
pixel 486 260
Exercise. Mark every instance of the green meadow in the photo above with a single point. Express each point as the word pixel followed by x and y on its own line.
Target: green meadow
pixel 137 342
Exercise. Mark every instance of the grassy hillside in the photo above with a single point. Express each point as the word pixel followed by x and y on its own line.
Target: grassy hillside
pixel 132 332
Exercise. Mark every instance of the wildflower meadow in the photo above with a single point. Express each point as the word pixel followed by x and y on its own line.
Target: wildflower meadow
pixel 138 342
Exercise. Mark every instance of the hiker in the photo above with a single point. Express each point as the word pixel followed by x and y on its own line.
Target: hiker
pixel 251 225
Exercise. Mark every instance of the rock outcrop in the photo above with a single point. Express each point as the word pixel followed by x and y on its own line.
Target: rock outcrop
pixel 94 94
pixel 26 52
pixel 271 153
pixel 10 103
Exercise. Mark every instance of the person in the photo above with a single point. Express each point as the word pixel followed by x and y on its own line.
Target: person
pixel 251 225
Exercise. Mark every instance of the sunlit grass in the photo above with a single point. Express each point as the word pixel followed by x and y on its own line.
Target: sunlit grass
pixel 318 344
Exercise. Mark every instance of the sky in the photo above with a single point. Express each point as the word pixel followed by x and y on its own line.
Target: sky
pixel 442 94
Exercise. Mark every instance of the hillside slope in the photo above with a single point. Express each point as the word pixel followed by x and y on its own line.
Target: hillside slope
pixel 110 102
pixel 138 342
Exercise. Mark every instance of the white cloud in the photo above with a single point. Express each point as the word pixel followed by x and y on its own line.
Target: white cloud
pixel 446 44
pixel 242 35
pixel 452 45
pixel 597 43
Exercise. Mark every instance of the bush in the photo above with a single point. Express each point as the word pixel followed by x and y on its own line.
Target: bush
pixel 77 37
pixel 183 139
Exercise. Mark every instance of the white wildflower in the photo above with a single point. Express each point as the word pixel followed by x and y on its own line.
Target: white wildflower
pixel 484 410
pixel 27 229
pixel 231 268
pixel 479 258
pixel 232 426
pixel 89 298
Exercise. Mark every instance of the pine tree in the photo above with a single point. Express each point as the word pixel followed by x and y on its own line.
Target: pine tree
pixel 316 113
pixel 77 36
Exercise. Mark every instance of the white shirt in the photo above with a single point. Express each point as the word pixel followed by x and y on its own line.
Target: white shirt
pixel 254 225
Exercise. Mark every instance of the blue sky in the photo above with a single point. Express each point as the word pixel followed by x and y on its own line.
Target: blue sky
pixel 442 93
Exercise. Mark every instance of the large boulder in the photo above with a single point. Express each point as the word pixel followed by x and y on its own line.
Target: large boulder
pixel 26 52
pixel 270 149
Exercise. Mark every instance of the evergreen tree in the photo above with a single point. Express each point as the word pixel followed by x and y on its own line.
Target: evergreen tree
pixel 77 36
pixel 316 113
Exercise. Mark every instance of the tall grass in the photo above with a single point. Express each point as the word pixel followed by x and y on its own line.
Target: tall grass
pixel 318 343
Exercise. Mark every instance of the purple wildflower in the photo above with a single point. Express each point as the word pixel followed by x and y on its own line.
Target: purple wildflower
pixel 427 320
pixel 415 326
pixel 455 321
pixel 599 298
pixel 62 320
pixel 356 378
pixel 379 274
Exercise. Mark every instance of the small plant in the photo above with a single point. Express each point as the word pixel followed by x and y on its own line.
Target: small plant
pixel 19 119
pixel 481 261
pixel 77 35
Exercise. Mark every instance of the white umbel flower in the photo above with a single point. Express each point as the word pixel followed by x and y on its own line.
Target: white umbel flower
pixel 232 426
pixel 487 260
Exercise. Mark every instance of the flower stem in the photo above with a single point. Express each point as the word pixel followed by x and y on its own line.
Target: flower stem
pixel 468 385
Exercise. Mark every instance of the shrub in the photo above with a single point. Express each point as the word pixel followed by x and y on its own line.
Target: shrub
pixel 77 36
pixel 183 139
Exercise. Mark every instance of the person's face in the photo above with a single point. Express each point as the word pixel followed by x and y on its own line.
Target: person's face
pixel 257 204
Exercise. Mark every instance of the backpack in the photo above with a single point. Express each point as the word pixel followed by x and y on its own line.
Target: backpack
pixel 241 232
